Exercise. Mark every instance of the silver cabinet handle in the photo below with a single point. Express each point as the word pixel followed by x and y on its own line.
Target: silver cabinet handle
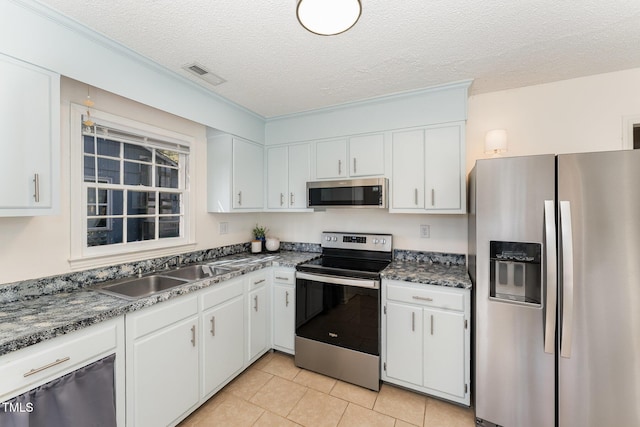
pixel 551 279
pixel 193 335
pixel 255 299
pixel 433 197
pixel 415 196
pixel 413 321
pixel 239 198
pixel 354 165
pixel 281 199
pixel 286 279
pixel 423 298
pixel 42 368
pixel 339 167
pixel 286 299
pixel 291 199
pixel 36 187
pixel 257 282
pixel 566 236
pixel 213 326
pixel 432 324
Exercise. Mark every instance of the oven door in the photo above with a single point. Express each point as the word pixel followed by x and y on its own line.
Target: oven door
pixel 340 311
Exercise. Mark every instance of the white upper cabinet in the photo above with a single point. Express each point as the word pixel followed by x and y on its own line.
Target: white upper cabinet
pixel 331 159
pixel 288 171
pixel 366 155
pixel 428 170
pixel 361 155
pixel 29 139
pixel 235 174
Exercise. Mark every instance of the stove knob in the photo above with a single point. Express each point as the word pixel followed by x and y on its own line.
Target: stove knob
pixel 383 241
pixel 376 241
pixel 328 238
pixel 335 239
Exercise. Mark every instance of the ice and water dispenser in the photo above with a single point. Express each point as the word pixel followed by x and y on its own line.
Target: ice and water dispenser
pixel 516 272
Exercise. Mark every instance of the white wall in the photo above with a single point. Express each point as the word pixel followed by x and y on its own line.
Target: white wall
pixel 577 115
pixel 34 247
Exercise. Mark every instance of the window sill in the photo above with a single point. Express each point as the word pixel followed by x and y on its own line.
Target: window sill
pixel 94 261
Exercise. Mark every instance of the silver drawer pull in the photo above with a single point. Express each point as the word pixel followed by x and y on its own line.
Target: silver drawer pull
pixel 257 282
pixel 423 298
pixel 282 278
pixel 42 368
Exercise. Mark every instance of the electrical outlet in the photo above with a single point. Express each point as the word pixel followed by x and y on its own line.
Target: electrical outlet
pixel 425 231
pixel 224 228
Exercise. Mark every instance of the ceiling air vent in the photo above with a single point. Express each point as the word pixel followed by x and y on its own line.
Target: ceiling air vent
pixel 200 71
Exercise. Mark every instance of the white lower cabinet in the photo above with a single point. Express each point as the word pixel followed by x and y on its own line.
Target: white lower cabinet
pixel 222 328
pixel 162 363
pixel 284 310
pixel 426 339
pixel 258 312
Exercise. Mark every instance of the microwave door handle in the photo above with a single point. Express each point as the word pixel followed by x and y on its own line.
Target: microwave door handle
pixel 551 263
pixel 566 235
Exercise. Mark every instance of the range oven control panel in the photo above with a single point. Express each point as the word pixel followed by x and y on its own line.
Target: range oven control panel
pixel 360 241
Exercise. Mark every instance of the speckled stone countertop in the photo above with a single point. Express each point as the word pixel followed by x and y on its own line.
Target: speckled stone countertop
pixel 454 276
pixel 29 321
pixel 429 268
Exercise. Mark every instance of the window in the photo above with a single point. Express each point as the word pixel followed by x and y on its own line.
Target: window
pixel 132 188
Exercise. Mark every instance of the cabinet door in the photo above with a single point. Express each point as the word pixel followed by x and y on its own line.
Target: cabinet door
pixel 408 170
pixel 299 174
pixel 223 342
pixel 404 343
pixel 258 332
pixel 442 168
pixel 165 374
pixel 248 176
pixel 366 155
pixel 331 159
pixel 29 138
pixel 284 316
pixel 444 341
pixel 277 178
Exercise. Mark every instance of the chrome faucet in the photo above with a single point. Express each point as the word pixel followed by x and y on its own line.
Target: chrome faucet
pixel 178 259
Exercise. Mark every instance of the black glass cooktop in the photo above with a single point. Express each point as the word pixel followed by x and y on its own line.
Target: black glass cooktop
pixel 341 266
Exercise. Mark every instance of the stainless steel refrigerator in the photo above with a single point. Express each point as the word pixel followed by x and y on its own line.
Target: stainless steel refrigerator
pixel 554 256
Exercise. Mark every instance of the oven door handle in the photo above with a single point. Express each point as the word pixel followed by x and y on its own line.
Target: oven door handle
pixel 339 280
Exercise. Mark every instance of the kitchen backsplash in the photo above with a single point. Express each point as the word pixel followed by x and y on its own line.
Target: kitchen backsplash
pixel 30 289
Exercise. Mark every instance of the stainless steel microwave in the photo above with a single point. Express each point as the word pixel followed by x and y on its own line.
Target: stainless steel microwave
pixel 348 193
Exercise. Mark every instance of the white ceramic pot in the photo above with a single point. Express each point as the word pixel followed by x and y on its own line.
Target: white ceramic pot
pixel 273 244
pixel 256 246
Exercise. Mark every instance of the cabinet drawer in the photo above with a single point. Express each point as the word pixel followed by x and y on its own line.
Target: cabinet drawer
pixel 165 314
pixel 221 293
pixel 257 280
pixel 428 297
pixel 34 365
pixel 284 276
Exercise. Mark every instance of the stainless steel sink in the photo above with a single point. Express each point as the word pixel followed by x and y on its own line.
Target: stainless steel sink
pixel 196 272
pixel 140 287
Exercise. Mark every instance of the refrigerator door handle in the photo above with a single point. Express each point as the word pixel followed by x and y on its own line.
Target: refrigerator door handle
pixel 566 236
pixel 551 261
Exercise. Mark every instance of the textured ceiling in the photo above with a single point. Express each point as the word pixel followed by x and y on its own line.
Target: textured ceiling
pixel 274 67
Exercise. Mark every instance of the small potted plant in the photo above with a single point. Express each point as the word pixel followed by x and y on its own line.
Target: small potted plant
pixel 259 235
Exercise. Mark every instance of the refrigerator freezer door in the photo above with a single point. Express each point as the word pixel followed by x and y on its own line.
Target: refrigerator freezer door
pixel 514 377
pixel 599 382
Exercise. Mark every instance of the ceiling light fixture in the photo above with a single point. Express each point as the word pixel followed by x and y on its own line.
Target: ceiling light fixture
pixel 328 17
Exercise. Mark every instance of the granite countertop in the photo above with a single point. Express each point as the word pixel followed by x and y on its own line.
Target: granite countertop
pixel 36 318
pixel 29 321
pixel 451 275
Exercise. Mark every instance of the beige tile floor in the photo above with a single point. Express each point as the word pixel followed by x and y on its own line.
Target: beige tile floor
pixel 274 392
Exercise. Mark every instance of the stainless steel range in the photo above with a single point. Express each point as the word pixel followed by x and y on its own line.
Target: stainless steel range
pixel 338 308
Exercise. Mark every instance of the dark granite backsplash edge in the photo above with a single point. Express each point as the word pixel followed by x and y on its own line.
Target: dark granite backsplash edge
pixel 431 257
pixel 33 288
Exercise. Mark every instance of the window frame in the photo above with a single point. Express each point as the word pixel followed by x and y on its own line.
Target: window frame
pixel 82 255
